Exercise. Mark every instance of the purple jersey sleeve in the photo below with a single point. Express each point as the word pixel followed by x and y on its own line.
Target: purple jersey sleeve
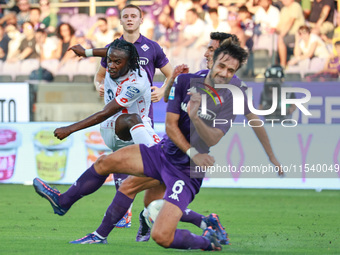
pixel 161 59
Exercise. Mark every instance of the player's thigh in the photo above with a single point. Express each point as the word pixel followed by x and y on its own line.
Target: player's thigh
pixel 153 193
pixel 163 230
pixel 132 185
pixel 127 160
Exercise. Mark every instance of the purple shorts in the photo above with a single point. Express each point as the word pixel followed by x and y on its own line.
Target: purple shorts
pixel 180 188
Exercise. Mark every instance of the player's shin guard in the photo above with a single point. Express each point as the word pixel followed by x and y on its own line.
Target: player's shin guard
pixel 184 239
pixel 114 213
pixel 86 184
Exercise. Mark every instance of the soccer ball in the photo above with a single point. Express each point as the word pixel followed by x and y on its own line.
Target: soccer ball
pixel 152 211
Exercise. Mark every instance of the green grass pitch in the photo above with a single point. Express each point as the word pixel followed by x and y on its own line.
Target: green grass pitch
pixel 258 221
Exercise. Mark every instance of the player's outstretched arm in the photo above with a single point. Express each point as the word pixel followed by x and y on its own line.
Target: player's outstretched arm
pixel 109 110
pixel 170 81
pixel 80 51
pixel 262 135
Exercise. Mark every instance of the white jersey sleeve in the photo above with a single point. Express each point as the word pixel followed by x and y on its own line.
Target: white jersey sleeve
pixel 135 88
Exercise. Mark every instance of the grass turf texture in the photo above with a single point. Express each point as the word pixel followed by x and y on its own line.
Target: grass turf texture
pixel 258 222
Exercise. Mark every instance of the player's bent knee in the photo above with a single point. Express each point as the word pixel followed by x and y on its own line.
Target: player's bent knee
pixel 101 166
pixel 124 123
pixel 161 238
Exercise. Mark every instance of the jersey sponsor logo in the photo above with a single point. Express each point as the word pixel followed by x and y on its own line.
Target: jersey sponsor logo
pixel 133 89
pixel 172 94
pixel 143 61
pixel 209 115
pixel 145 47
pixel 129 94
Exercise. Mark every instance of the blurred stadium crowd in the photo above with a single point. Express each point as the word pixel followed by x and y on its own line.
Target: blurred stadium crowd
pixel 301 35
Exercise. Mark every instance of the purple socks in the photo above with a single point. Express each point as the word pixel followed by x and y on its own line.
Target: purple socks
pixel 114 213
pixel 192 217
pixel 184 239
pixel 86 184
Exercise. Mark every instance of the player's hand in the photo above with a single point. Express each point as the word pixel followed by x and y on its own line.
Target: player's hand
pixel 78 50
pixel 179 70
pixel 100 88
pixel 156 94
pixel 194 104
pixel 276 163
pixel 62 133
pixel 203 160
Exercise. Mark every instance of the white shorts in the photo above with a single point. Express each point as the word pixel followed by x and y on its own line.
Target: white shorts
pixel 112 140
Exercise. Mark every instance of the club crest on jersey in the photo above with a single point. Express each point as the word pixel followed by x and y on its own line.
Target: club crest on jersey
pixel 145 47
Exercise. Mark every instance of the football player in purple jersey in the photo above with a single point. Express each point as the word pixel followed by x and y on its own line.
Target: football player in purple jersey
pixel 190 135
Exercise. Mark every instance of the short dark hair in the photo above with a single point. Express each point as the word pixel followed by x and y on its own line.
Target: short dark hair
pixel 34 8
pixel 228 47
pixel 337 43
pixel 131 6
pixel 130 49
pixel 219 36
pixel 211 10
pixel 193 10
pixel 103 19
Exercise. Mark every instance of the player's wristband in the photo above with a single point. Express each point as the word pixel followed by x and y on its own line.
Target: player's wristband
pixel 89 52
pixel 191 152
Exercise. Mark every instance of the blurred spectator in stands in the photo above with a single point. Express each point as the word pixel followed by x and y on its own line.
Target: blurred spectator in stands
pixel 100 34
pixel 180 8
pixel 306 6
pixel 9 19
pixel 24 14
pixel 48 17
pixel 266 17
pixel 196 4
pixel 35 17
pixel 216 24
pixel 307 46
pixel 167 31
pixel 235 28
pixel 121 4
pixel 15 39
pixel 189 46
pixel 291 18
pixel 147 28
pixel 21 16
pixel 65 33
pixel 321 16
pixel 112 17
pixel 331 69
pixel 247 24
pixel 46 46
pixel 27 46
pixel 83 41
pixel 222 10
pixel 4 40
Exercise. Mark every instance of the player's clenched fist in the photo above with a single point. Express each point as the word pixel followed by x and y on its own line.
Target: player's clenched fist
pixel 62 133
pixel 78 50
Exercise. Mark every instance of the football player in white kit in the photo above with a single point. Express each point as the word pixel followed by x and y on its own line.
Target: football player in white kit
pixel 127 101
